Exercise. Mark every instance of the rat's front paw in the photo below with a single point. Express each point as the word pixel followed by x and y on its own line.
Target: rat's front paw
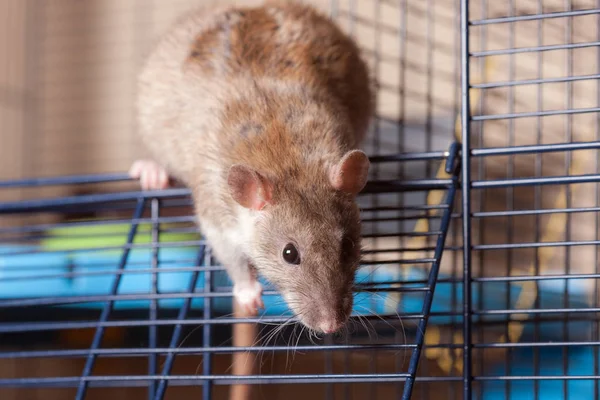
pixel 151 175
pixel 249 296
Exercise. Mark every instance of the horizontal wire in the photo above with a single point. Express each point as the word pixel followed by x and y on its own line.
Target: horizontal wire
pixel 75 224
pixel 527 278
pixel 534 17
pixel 126 205
pixel 117 177
pixel 61 325
pixel 512 213
pixel 125 297
pixel 59 203
pixel 537 311
pixel 535 245
pixel 520 50
pixel 401 234
pixel 193 380
pixel 98 235
pixel 401 185
pixel 504 345
pixel 121 297
pixel 534 149
pixel 53 326
pixel 493 117
pixel 432 155
pixel 144 246
pixel 112 272
pixel 203 269
pixel 399 250
pixel 178 219
pixel 401 218
pixel 103 249
pixel 65 180
pixel 536 378
pixel 143 352
pixel 564 79
pixel 405 208
pixel 402 262
pixel 546 180
pixel 499 321
pixel 104 267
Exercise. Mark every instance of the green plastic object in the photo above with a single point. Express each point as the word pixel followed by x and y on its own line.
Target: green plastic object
pixel 107 235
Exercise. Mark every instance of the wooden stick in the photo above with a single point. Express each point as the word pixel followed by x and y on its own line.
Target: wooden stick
pixel 243 363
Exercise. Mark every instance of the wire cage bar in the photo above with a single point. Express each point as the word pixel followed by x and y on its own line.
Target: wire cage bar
pixel 480 273
pixel 133 259
pixel 530 198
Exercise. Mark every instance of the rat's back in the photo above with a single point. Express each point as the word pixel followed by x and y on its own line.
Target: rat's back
pixel 260 111
pixel 225 52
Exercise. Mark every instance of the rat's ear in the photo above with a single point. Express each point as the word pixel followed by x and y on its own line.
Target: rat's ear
pixel 351 172
pixel 248 188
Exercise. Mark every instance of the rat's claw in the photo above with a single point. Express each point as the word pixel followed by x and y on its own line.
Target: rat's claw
pixel 249 296
pixel 151 175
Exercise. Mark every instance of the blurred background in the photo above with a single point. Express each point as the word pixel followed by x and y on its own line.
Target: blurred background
pixel 69 67
pixel 67 88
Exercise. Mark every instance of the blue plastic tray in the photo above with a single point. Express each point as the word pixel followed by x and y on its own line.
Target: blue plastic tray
pixel 27 272
pixel 580 362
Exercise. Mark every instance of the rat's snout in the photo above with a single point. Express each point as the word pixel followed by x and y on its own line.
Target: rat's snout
pixel 334 316
pixel 325 314
pixel 329 326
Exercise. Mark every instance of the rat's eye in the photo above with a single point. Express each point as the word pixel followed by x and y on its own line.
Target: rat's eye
pixel 291 254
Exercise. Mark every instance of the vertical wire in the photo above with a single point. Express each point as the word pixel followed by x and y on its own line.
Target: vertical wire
pixel 5 127
pixel 402 32
pixel 31 111
pixel 455 263
pixel 510 191
pixel 376 146
pixel 596 336
pixel 537 196
pixel 329 390
pixel 176 335
pixel 568 139
pixel 352 22
pixel 328 341
pixel 347 369
pixel 141 31
pixel 99 334
pixel 207 329
pixel 481 174
pixel 153 311
pixel 429 85
pixel 429 122
pixel 431 283
pixel 333 9
pixel 466 197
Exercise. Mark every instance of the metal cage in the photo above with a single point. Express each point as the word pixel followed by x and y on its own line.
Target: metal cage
pixel 97 286
pixel 480 220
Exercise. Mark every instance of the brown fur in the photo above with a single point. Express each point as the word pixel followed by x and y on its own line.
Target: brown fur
pixel 282 91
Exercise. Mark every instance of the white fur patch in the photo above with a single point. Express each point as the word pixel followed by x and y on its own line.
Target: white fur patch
pixel 244 231
pixel 247 293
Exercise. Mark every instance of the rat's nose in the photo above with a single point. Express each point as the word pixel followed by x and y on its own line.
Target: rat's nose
pixel 329 326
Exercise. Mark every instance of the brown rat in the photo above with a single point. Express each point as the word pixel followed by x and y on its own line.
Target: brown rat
pixel 260 110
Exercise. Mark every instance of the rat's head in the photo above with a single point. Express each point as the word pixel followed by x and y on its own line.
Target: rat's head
pixel 306 240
